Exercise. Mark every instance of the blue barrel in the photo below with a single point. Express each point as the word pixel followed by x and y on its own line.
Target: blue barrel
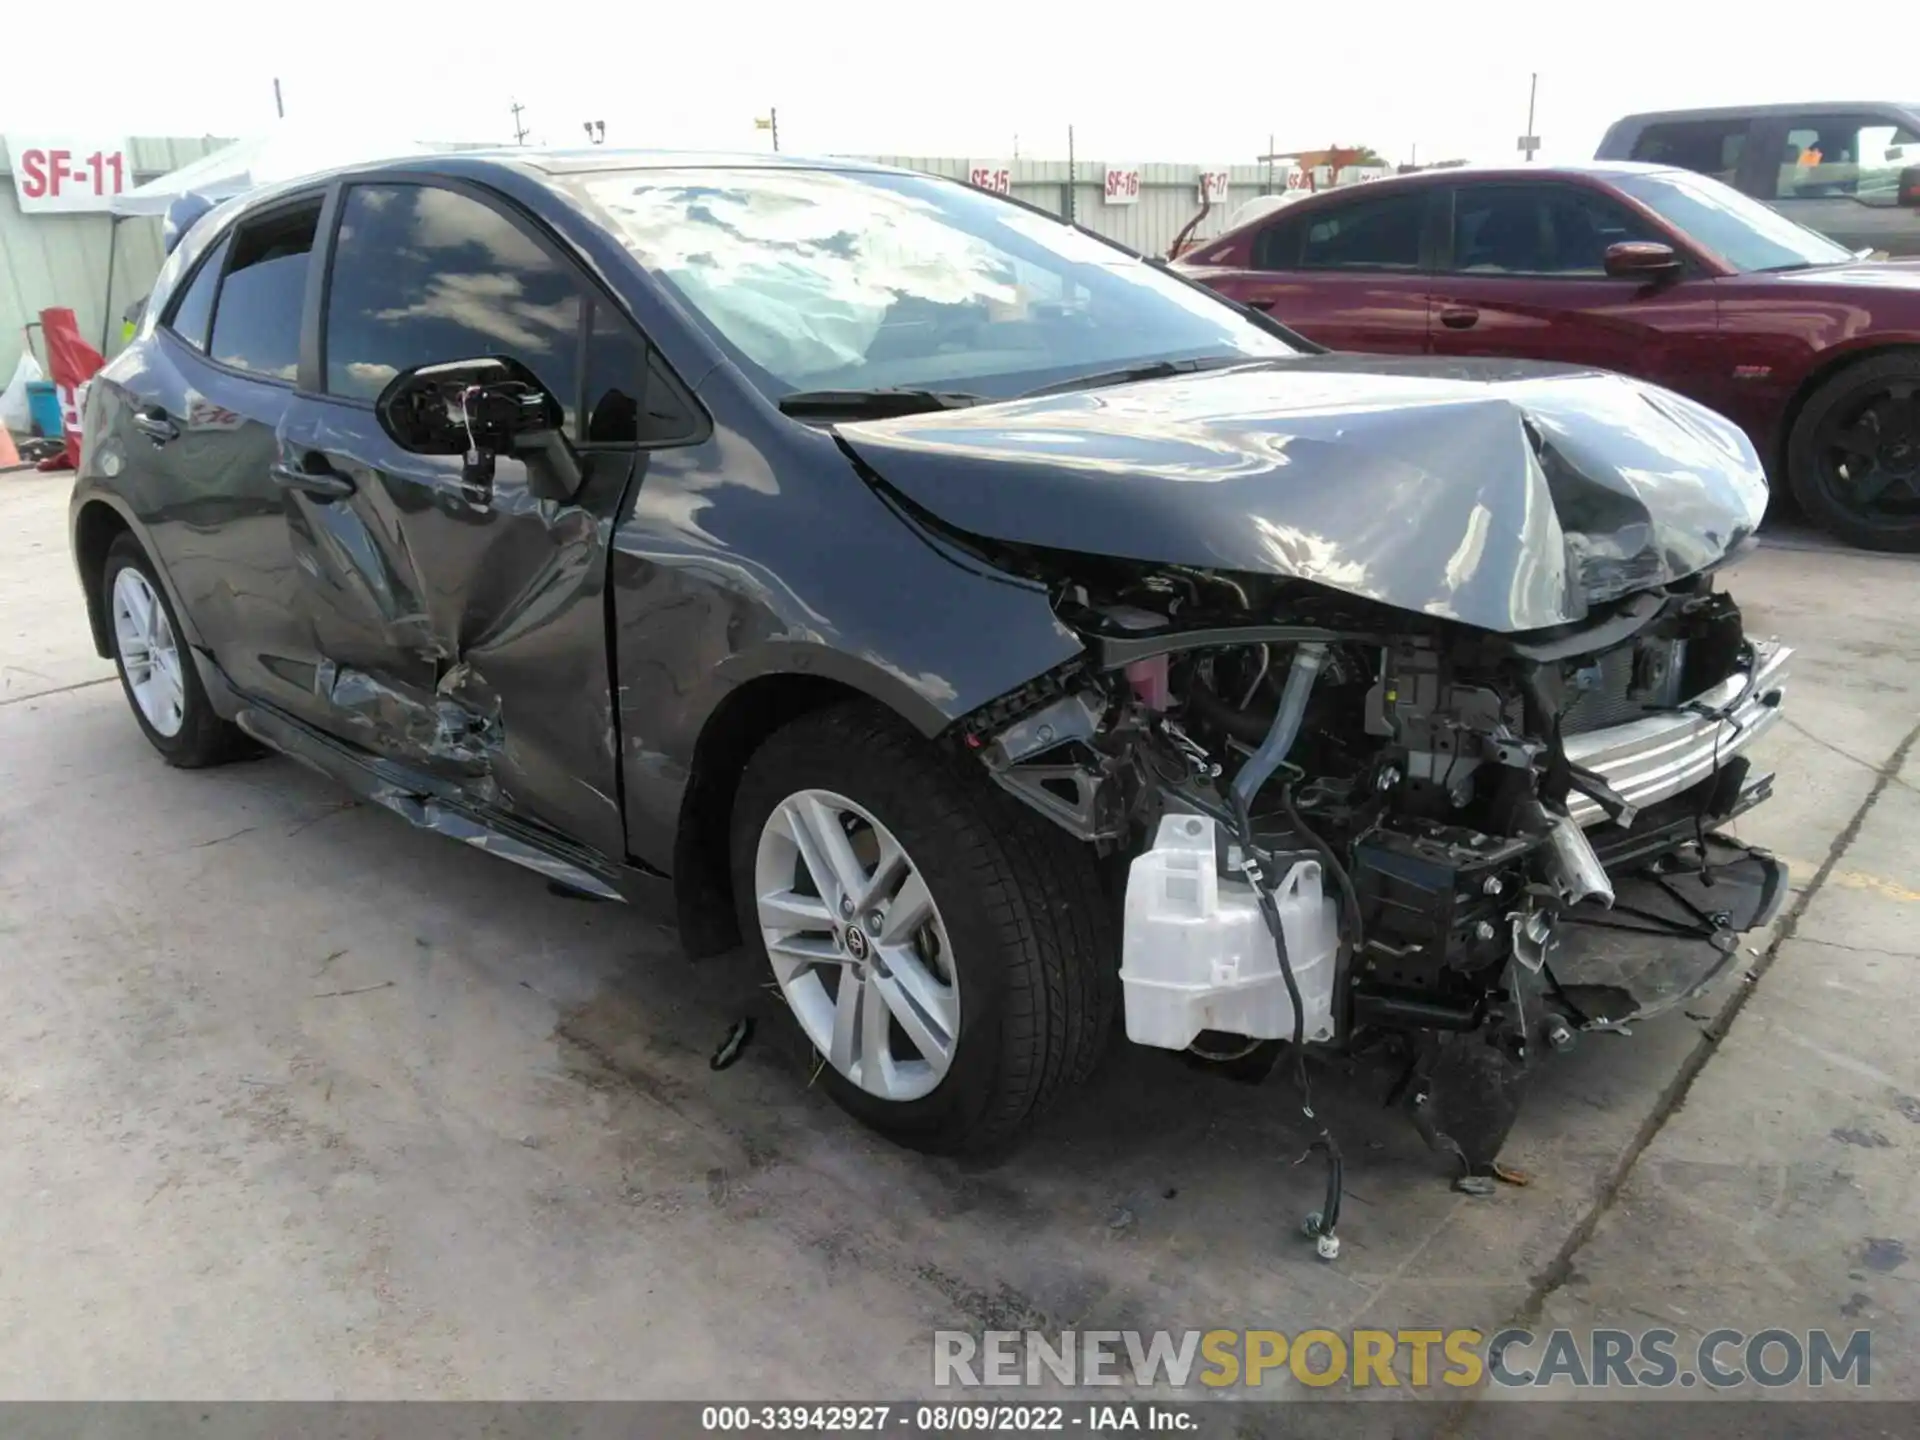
pixel 43 403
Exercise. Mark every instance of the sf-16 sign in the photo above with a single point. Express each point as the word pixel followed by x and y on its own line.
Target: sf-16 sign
pixel 1123 185
pixel 68 173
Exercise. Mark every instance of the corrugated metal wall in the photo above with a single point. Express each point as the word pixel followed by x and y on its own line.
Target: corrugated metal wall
pixel 62 259
pixel 1169 195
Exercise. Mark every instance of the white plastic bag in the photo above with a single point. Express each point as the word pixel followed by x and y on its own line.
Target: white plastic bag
pixel 15 413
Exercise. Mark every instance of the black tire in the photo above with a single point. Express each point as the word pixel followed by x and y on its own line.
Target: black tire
pixel 203 737
pixel 1877 400
pixel 1029 922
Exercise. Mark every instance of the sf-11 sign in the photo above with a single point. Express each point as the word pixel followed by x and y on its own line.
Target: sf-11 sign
pixel 1213 186
pixel 990 175
pixel 65 174
pixel 1123 185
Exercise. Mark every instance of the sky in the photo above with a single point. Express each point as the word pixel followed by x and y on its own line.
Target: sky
pixel 1192 84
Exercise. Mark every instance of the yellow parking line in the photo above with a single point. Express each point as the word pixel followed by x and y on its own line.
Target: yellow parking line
pixel 1859 880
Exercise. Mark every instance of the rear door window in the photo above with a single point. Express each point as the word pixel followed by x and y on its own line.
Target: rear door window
pixel 193 311
pixel 256 320
pixel 1278 246
pixel 1378 233
pixel 1856 157
pixel 1706 147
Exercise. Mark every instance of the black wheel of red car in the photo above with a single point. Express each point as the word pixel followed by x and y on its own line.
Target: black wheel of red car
pixel 947 952
pixel 1853 460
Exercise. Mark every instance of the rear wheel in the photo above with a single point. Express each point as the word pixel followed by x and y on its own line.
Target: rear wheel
pixel 156 671
pixel 1853 460
pixel 945 951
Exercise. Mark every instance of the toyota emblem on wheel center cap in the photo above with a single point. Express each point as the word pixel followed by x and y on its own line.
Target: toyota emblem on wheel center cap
pixel 856 942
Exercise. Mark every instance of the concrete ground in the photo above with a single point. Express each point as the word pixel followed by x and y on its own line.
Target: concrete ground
pixel 299 1102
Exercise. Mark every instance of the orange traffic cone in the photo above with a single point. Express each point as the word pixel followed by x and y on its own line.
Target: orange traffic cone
pixel 9 455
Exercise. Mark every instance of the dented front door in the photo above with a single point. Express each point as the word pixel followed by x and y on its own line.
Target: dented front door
pixel 461 633
pixel 461 628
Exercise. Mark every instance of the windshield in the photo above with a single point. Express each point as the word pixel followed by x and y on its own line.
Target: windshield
pixel 1741 231
pixel 824 280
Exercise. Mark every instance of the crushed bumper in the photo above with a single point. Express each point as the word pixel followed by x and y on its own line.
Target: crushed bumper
pixel 1674 930
pixel 1649 760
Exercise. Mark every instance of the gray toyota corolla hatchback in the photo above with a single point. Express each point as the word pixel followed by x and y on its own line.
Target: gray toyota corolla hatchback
pixel 996 633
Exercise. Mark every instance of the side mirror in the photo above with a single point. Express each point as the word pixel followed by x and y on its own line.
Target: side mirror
pixel 482 409
pixel 1909 192
pixel 1642 260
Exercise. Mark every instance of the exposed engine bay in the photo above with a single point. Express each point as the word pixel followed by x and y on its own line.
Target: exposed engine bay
pixel 1347 825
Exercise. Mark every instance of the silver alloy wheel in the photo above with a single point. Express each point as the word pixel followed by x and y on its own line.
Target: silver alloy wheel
pixel 149 652
pixel 857 944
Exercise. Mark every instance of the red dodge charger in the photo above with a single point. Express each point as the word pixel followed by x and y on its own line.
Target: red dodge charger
pixel 1657 273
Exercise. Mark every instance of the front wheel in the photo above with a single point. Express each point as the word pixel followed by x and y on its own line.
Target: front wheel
pixel 945 951
pixel 1853 460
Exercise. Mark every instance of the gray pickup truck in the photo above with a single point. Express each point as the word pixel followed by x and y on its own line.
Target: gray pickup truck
pixel 1849 169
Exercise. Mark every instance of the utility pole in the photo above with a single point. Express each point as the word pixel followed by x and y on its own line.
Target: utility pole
pixel 1530 142
pixel 773 124
pixel 1269 162
pixel 519 130
pixel 278 108
pixel 1071 176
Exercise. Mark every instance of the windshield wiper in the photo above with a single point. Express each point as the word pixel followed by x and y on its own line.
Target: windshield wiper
pixel 1152 370
pixel 873 404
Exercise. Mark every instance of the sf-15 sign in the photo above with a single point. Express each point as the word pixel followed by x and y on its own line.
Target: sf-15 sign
pixel 68 173
pixel 990 175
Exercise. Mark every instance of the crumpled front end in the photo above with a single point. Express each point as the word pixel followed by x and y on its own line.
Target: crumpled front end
pixel 1344 824
pixel 1510 497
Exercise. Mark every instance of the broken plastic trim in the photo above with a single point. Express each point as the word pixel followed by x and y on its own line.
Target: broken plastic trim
pixel 418 800
pixel 1116 652
pixel 1069 795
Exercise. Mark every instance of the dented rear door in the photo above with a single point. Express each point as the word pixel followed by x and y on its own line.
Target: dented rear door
pixel 461 628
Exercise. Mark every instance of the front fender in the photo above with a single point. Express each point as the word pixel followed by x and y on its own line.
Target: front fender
pixel 718 584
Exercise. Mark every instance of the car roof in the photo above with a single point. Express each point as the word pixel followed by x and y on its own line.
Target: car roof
pixel 1736 112
pixel 579 159
pixel 1589 169
pixel 576 160
pixel 544 164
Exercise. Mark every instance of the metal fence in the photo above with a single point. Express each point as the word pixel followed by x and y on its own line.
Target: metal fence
pixel 62 259
pixel 1169 194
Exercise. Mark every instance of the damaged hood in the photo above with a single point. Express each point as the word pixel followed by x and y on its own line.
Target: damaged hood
pixel 1506 495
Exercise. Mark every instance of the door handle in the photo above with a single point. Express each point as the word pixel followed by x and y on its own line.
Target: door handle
pixel 327 483
pixel 153 422
pixel 1459 317
pixel 1266 305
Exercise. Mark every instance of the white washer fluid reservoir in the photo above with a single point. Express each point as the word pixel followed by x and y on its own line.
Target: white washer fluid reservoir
pixel 1197 955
